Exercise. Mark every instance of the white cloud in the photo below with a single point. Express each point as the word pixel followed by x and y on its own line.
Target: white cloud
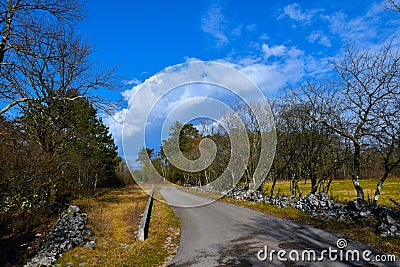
pixel 277 50
pixel 271 77
pixel 161 94
pixel 318 67
pixel 114 122
pixel 240 29
pixel 357 29
pixel 214 23
pixel 324 40
pixel 318 36
pixel 191 59
pixel 128 94
pixel 313 37
pixel 247 61
pixel 133 81
pixel 295 12
pixel 365 30
pixel 271 67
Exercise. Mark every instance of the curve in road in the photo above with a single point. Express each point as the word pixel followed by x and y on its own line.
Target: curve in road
pixel 222 234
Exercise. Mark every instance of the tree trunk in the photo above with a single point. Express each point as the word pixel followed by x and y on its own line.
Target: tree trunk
pixel 6 33
pixel 271 193
pixel 356 171
pixel 95 185
pixel 326 190
pixel 379 187
pixel 382 180
pixel 314 184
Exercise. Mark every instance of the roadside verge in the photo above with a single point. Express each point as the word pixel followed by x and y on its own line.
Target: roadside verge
pixel 114 217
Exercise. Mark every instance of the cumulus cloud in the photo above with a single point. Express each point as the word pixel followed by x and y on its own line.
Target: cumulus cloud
pixel 184 86
pixel 271 67
pixel 288 67
pixel 128 94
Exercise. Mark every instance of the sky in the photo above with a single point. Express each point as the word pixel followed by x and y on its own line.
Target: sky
pixel 274 43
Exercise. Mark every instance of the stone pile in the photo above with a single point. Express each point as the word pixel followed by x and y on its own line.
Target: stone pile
pixel 319 204
pixel 389 227
pixel 238 192
pixel 69 231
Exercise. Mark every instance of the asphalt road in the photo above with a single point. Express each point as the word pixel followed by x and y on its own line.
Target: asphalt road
pixel 222 234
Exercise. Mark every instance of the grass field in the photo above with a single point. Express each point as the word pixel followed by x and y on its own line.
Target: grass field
pixel 113 218
pixel 343 190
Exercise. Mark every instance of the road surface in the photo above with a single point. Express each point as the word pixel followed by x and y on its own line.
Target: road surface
pixel 222 234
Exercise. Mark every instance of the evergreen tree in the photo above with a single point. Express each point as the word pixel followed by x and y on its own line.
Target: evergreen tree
pixel 80 143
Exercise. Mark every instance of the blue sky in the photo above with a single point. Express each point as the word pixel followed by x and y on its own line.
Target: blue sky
pixel 275 43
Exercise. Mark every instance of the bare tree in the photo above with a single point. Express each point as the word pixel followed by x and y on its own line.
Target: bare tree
pixel 253 122
pixel 306 150
pixel 385 140
pixel 21 20
pixel 42 86
pixel 38 45
pixel 349 105
pixel 392 5
pixel 44 65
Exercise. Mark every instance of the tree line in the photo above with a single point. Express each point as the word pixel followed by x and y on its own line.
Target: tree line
pixel 54 146
pixel 344 127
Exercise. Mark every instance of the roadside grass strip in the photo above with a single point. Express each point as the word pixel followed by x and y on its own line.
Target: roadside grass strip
pixel 114 217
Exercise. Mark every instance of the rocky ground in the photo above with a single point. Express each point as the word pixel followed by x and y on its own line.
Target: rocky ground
pixel 69 231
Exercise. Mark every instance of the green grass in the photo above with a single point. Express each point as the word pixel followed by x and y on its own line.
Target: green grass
pixel 343 190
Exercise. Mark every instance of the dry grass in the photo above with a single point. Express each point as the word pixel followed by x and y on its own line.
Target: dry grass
pixel 113 217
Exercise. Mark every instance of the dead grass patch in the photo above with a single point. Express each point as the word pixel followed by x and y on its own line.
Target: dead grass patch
pixel 113 218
